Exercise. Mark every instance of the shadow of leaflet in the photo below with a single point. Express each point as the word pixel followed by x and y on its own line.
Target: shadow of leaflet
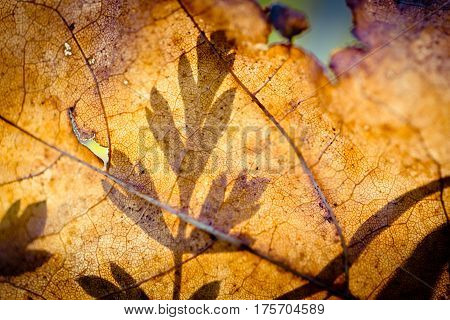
pixel 103 289
pixel 205 119
pixel 209 291
pixel 217 210
pixel 368 231
pixel 16 233
pixel 428 261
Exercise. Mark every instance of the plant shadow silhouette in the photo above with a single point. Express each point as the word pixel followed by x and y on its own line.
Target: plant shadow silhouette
pixel 209 291
pixel 16 234
pixel 206 119
pixel 103 289
pixel 367 232
pixel 428 260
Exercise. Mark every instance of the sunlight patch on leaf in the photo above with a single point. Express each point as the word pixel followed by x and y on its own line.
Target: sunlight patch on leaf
pixel 88 140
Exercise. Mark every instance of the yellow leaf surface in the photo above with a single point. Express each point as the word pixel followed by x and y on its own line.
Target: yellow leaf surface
pixel 233 170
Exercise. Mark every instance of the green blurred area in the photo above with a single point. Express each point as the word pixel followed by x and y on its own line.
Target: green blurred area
pixel 330 24
pixel 97 149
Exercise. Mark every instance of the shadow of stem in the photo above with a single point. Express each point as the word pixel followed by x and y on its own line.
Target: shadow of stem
pixel 369 230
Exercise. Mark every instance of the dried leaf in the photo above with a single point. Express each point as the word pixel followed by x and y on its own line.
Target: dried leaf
pixel 236 170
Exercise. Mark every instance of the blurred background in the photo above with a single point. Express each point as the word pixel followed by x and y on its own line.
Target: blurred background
pixel 330 24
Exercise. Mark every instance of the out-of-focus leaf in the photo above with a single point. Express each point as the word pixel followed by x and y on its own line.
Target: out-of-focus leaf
pixel 328 190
